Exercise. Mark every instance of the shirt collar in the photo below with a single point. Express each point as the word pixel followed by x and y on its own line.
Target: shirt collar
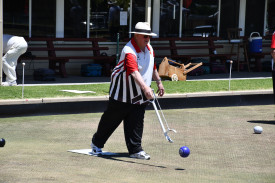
pixel 136 46
pixel 148 47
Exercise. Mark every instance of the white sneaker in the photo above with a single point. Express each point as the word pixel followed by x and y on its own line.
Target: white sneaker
pixel 140 155
pixel 9 83
pixel 5 84
pixel 96 150
pixel 13 83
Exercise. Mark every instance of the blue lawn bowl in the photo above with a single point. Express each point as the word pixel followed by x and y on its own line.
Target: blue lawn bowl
pixel 2 142
pixel 184 151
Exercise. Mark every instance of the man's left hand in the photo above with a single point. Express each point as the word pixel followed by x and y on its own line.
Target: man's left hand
pixel 160 90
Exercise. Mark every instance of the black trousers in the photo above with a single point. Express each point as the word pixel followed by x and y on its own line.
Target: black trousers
pixel 132 116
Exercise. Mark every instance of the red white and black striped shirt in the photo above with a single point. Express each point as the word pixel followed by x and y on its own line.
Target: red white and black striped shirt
pixel 123 86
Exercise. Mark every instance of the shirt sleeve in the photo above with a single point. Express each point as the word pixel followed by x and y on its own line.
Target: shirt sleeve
pixel 273 41
pixel 130 63
pixel 155 65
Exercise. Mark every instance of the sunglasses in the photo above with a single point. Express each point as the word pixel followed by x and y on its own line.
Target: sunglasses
pixel 146 36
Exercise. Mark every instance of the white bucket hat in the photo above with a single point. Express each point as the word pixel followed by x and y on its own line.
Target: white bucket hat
pixel 143 28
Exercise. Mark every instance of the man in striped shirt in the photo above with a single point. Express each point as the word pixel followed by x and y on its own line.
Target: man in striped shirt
pixel 130 93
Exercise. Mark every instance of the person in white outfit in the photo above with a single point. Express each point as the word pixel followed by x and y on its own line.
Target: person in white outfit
pixel 13 47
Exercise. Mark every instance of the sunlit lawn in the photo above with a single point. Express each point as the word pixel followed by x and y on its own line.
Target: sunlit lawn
pixel 103 89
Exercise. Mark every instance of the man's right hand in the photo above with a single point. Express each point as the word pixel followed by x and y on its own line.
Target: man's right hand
pixel 148 93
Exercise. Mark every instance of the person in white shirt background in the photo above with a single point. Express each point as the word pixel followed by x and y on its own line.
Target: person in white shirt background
pixel 13 47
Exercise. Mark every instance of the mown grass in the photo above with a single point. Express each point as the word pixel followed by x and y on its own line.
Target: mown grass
pixel 103 89
pixel 217 85
pixel 221 140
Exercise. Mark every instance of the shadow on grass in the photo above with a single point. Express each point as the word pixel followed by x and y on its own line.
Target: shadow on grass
pixel 271 122
pixel 126 155
pixel 179 169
